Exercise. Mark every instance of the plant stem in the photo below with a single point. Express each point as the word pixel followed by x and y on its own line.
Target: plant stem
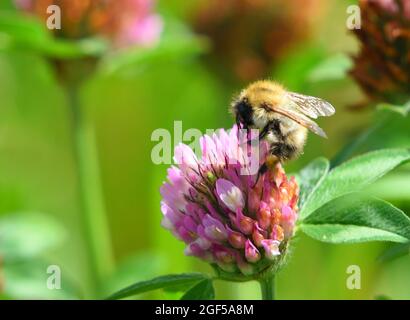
pixel 267 284
pixel 90 193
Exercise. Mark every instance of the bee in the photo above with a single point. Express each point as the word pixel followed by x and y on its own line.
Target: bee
pixel 283 118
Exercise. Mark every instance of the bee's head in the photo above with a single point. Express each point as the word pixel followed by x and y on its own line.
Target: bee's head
pixel 251 108
pixel 243 112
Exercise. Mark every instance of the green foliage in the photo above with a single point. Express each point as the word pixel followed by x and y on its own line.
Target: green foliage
pixel 354 175
pixel 402 110
pixel 26 238
pixel 176 42
pixel 26 235
pixel 394 252
pixel 332 68
pixel 332 211
pixel 353 218
pixel 145 264
pixel 21 32
pixel 294 70
pixel 28 280
pixel 310 177
pixel 394 187
pixel 382 297
pixel 203 290
pixel 162 282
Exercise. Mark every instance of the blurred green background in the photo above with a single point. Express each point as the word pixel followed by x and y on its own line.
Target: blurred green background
pixel 126 100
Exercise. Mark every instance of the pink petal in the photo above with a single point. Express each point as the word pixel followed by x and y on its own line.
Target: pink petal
pixel 271 248
pixel 229 194
pixel 251 252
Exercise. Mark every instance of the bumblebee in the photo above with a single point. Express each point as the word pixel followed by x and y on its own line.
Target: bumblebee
pixel 282 117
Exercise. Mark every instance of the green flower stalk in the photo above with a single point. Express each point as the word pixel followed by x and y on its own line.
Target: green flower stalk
pixel 122 23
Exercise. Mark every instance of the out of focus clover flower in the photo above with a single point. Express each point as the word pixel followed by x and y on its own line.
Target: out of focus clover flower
pixel 382 67
pixel 250 36
pixel 213 205
pixel 124 22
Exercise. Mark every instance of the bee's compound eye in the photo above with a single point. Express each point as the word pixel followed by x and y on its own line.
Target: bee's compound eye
pixel 244 110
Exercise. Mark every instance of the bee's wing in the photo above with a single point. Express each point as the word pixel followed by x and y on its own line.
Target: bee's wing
pixel 303 109
pixel 310 106
pixel 301 119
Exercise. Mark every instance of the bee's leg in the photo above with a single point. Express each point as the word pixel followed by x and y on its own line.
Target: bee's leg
pixel 264 131
pixel 248 140
pixel 262 170
pixel 238 121
pixel 262 134
pixel 271 161
pixel 242 126
pixel 272 127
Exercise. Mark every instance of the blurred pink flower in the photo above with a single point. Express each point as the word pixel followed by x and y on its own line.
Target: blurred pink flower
pixel 145 31
pixel 213 205
pixel 125 22
pixel 24 4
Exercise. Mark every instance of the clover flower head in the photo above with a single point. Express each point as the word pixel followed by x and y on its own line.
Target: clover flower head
pixel 381 66
pixel 225 215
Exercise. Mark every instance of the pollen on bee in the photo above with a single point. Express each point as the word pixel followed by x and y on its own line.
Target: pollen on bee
pixel 271 161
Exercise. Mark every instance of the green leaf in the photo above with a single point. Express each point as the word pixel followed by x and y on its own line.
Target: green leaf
pixel 161 282
pixel 28 33
pixel 394 187
pixel 332 68
pixel 68 49
pixel 360 141
pixel 310 177
pixel 27 235
pixel 145 264
pixel 403 110
pixel 23 28
pixel 203 290
pixel 354 175
pixel 178 288
pixel 28 280
pixel 354 218
pixel 394 252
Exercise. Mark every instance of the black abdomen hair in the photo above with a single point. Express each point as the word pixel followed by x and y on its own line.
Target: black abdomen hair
pixel 283 150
